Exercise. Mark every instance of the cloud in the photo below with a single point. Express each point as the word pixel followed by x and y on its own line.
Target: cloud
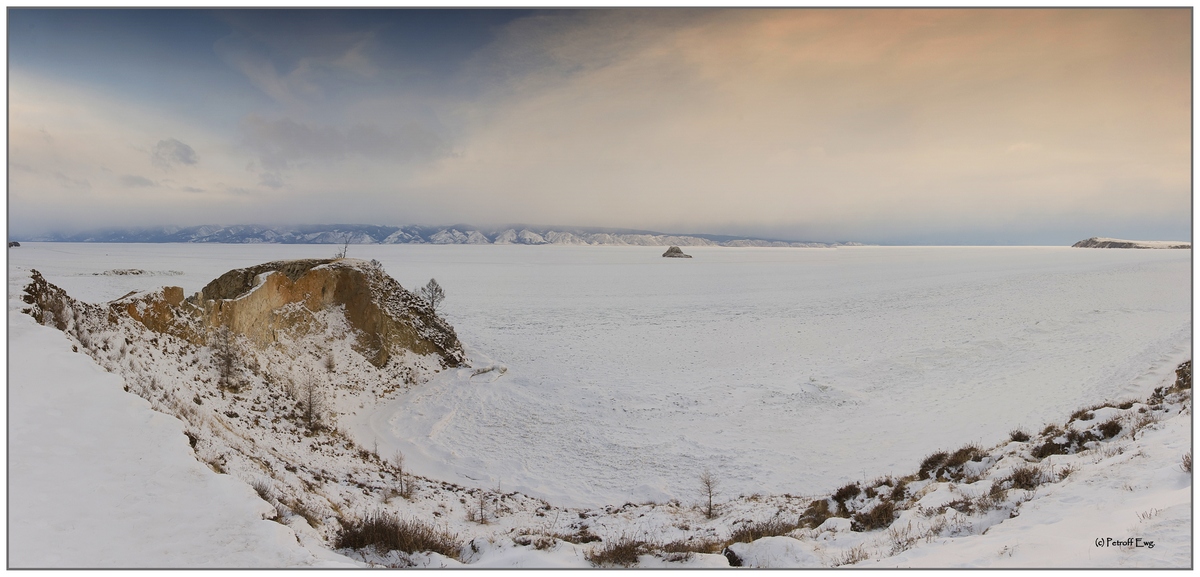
pixel 270 179
pixel 134 181
pixel 192 189
pixel 296 70
pixel 707 122
pixel 171 152
pixel 285 143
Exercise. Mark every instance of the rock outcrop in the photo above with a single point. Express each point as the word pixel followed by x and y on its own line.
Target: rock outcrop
pixel 675 252
pixel 280 299
pixel 1100 242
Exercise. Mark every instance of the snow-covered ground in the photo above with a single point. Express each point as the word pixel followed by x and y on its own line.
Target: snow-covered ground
pixel 98 479
pixel 620 375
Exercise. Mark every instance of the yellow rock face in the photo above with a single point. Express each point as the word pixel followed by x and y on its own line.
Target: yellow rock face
pixel 263 302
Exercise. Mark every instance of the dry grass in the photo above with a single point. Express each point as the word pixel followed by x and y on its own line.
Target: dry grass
pixel 386 532
pixel 694 545
pixel 847 492
pixel 816 513
pixel 1028 478
pixel 623 552
pixel 879 517
pixel 751 532
pixel 931 464
pixel 1018 435
pixel 851 556
pixel 1186 465
pixel 1110 428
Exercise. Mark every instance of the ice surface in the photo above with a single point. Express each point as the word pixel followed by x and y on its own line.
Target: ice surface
pixel 782 370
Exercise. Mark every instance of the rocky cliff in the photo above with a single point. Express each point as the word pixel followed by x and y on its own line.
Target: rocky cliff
pixel 278 299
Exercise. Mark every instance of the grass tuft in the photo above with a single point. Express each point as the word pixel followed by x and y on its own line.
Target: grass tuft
pixel 623 552
pixel 386 532
pixel 1027 478
pixel 751 532
pixel 1110 428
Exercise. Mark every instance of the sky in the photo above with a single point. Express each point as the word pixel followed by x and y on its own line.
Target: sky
pixel 909 126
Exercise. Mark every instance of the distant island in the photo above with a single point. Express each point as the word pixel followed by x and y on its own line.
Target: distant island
pixel 1101 242
pixel 412 234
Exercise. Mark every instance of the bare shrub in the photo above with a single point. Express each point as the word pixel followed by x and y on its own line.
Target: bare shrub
pixel 226 358
pixel 478 511
pixel 1049 448
pixel 314 403
pixel 403 484
pixel 433 293
pixel 623 552
pixel 1018 435
pixel 345 247
pixel 386 532
pixel 708 490
pixel 1028 478
pixel 901 539
pixel 877 517
pixel 1186 465
pixel 1110 428
pixel 816 513
pixel 847 492
pixel 931 464
pixel 330 363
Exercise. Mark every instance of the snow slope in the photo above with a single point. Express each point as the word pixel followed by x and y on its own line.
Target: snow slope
pixel 98 479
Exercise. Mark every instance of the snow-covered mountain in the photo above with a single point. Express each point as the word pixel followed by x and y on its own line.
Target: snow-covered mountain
pixel 411 234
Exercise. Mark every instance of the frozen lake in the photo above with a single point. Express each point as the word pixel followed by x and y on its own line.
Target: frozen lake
pixel 781 370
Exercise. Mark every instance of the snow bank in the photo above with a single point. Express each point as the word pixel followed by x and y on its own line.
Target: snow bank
pixel 98 479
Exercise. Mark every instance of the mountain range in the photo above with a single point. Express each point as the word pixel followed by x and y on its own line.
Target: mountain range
pixel 413 234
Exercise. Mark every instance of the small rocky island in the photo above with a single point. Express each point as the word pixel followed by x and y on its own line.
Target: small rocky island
pixel 675 252
pixel 1101 242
